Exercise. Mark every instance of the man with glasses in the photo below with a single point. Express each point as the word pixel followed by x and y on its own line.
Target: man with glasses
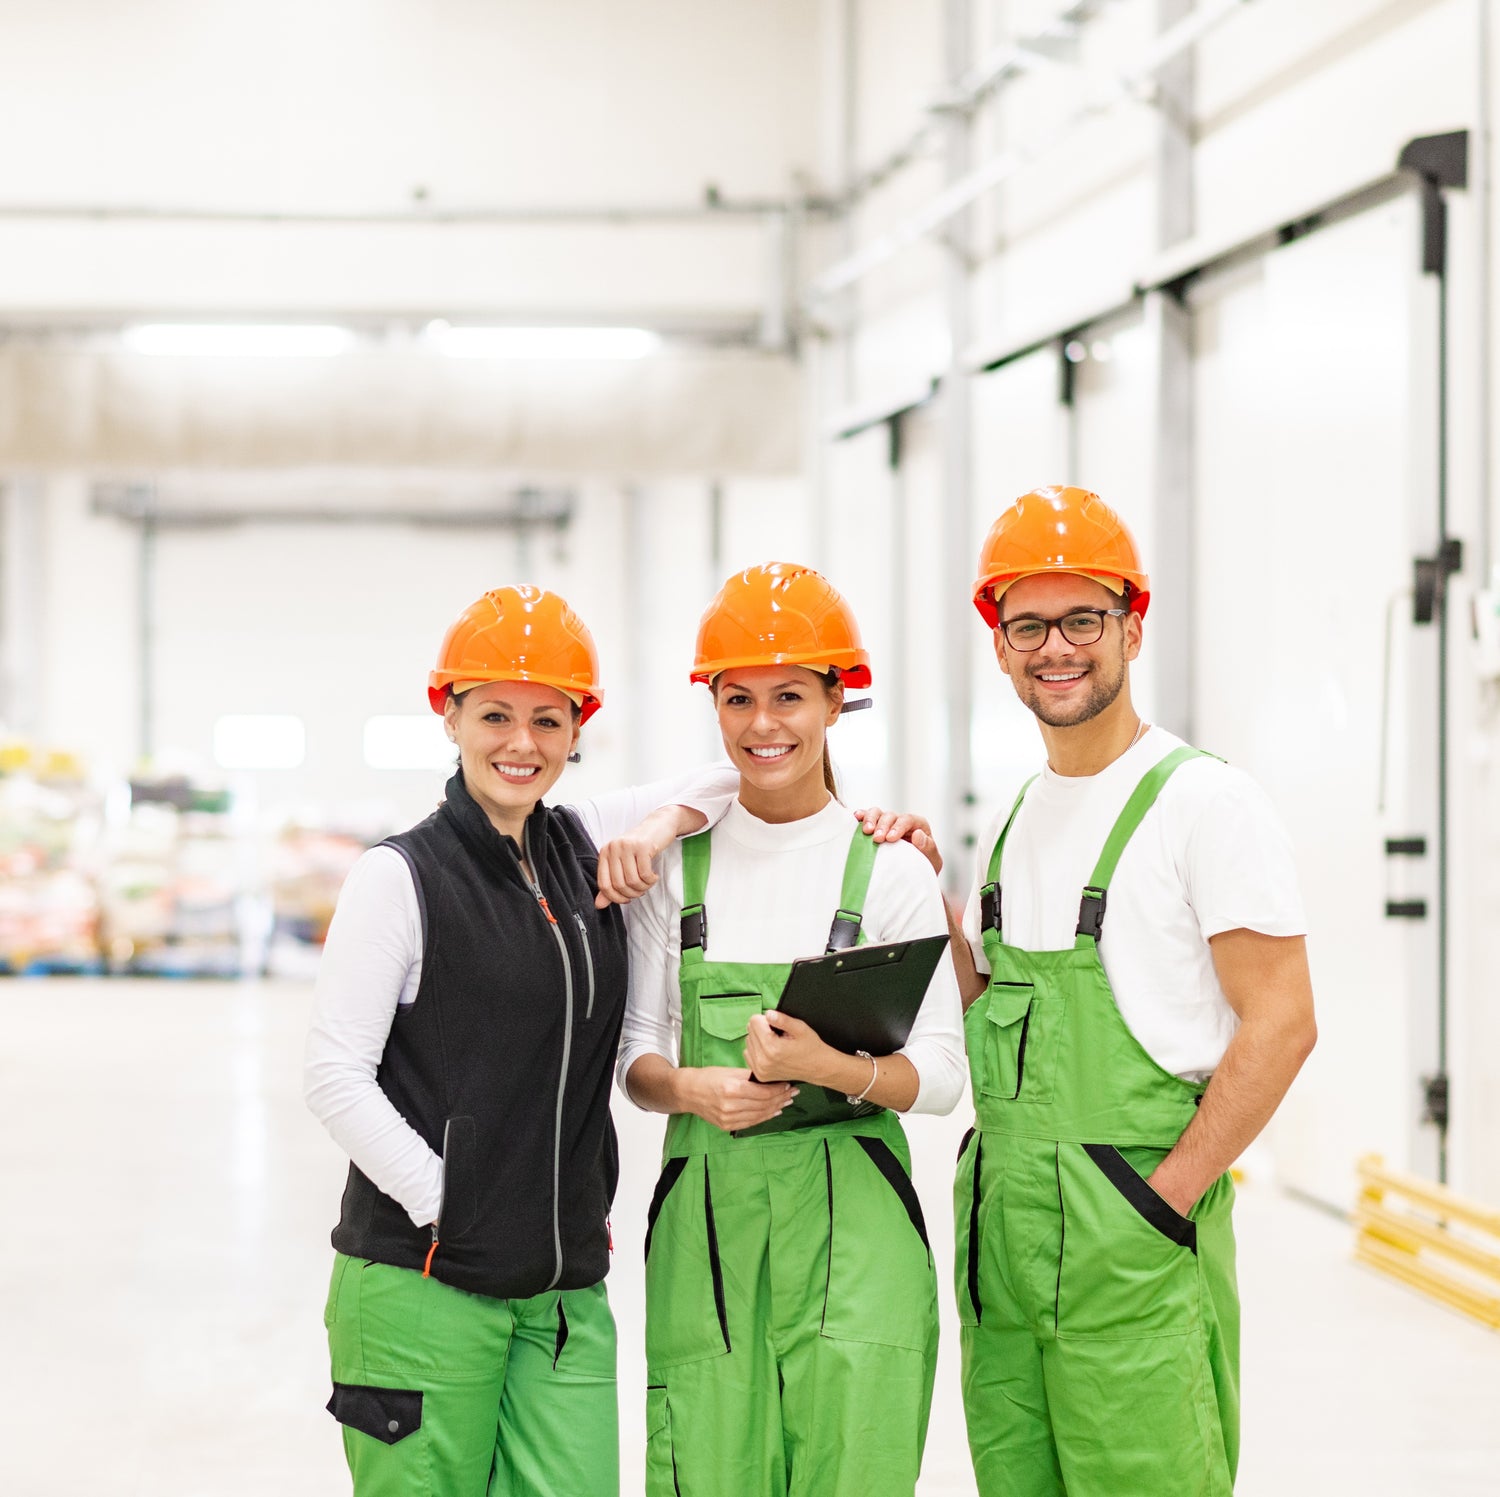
pixel 1137 1002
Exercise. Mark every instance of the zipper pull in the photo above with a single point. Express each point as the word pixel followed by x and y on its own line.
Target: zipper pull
pixel 541 899
pixel 427 1266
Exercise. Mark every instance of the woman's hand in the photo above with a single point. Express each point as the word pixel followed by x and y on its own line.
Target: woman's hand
pixel 902 826
pixel 794 1054
pixel 625 870
pixel 726 1096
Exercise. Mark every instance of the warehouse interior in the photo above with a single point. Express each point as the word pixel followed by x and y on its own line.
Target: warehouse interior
pixel 318 321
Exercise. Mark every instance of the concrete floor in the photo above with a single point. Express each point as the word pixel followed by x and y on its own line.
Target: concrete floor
pixel 162 1279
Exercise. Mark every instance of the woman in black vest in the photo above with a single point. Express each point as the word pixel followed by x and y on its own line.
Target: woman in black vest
pixel 468 1008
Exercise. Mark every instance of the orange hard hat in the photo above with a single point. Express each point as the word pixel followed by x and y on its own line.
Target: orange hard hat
pixel 1059 530
pixel 519 633
pixel 780 614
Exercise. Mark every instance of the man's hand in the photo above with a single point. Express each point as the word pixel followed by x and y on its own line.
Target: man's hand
pixel 625 870
pixel 902 826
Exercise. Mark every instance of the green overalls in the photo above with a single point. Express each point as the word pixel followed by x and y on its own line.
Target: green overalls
pixel 1100 1329
pixel 791 1306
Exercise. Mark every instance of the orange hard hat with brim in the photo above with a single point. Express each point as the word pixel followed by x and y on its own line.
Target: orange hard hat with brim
pixel 519 633
pixel 780 614
pixel 1059 529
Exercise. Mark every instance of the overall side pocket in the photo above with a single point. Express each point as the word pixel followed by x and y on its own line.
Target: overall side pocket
pixel 881 1284
pixel 966 1235
pixel 1129 1266
pixel 686 1314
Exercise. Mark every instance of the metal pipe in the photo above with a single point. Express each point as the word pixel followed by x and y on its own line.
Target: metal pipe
pixel 959 194
pixel 611 214
pixel 976 86
pixel 1444 634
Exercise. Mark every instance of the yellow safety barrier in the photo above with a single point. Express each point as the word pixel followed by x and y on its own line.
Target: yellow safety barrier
pixel 1429 1237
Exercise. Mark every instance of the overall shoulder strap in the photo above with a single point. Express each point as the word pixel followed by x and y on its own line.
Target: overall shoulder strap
pixel 844 932
pixel 695 856
pixel 989 893
pixel 1142 798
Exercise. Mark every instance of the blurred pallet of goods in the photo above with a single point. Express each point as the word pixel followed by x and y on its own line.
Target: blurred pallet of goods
pixel 50 820
pixel 308 868
pixel 178 883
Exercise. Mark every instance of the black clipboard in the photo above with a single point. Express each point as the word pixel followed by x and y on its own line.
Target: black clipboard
pixel 865 998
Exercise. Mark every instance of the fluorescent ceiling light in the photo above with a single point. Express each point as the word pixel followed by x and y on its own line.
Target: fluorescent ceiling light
pixel 540 342
pixel 298 340
pixel 408 741
pixel 262 741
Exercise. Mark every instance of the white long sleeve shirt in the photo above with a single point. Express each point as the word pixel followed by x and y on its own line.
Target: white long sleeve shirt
pixel 772 892
pixel 372 962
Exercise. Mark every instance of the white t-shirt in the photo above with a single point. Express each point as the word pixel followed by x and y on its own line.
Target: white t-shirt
pixel 1211 855
pixel 372 961
pixel 771 896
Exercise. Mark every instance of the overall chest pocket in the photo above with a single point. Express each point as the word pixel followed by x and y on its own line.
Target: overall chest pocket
pixel 723 1022
pixel 1013 1033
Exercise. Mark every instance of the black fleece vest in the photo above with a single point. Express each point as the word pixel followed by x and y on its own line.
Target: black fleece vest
pixel 504 1061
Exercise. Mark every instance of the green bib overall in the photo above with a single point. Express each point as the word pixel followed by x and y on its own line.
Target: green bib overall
pixel 1100 1329
pixel 791 1306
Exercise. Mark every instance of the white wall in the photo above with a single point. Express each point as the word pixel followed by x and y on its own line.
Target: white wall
pixel 1295 106
pixel 388 109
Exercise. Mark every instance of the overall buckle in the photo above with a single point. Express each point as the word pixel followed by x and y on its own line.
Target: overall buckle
pixel 694 927
pixel 1091 912
pixel 989 908
pixel 844 932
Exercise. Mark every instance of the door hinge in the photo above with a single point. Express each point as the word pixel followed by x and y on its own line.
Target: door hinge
pixel 1435 1100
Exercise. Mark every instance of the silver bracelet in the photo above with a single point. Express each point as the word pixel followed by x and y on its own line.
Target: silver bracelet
pixel 874 1077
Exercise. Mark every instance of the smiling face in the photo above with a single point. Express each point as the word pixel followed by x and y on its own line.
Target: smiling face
pixel 774 719
pixel 513 739
pixel 1066 684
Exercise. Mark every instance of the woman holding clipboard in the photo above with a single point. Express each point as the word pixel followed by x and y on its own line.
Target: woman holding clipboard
pixel 791 1314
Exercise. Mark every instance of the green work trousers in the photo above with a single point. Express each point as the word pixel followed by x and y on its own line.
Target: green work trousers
pixel 453 1394
pixel 1100 1358
pixel 791 1321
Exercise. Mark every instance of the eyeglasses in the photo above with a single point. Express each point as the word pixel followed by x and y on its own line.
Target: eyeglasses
pixel 1083 626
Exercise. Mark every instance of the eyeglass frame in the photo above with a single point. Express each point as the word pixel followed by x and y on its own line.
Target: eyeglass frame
pixel 1031 618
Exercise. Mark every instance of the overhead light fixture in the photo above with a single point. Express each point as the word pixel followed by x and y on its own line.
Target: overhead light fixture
pixel 498 342
pixel 239 340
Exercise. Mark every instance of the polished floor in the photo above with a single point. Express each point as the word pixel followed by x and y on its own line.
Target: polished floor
pixel 168 1202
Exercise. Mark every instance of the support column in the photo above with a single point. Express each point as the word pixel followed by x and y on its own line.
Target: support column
pixel 955 829
pixel 1169 328
pixel 21 606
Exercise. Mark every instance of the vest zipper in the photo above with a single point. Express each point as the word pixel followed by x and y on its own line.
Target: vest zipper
pixel 442 1199
pixel 588 961
pixel 562 1080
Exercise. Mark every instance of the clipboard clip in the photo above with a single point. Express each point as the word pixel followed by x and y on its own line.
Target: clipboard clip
pixel 856 704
